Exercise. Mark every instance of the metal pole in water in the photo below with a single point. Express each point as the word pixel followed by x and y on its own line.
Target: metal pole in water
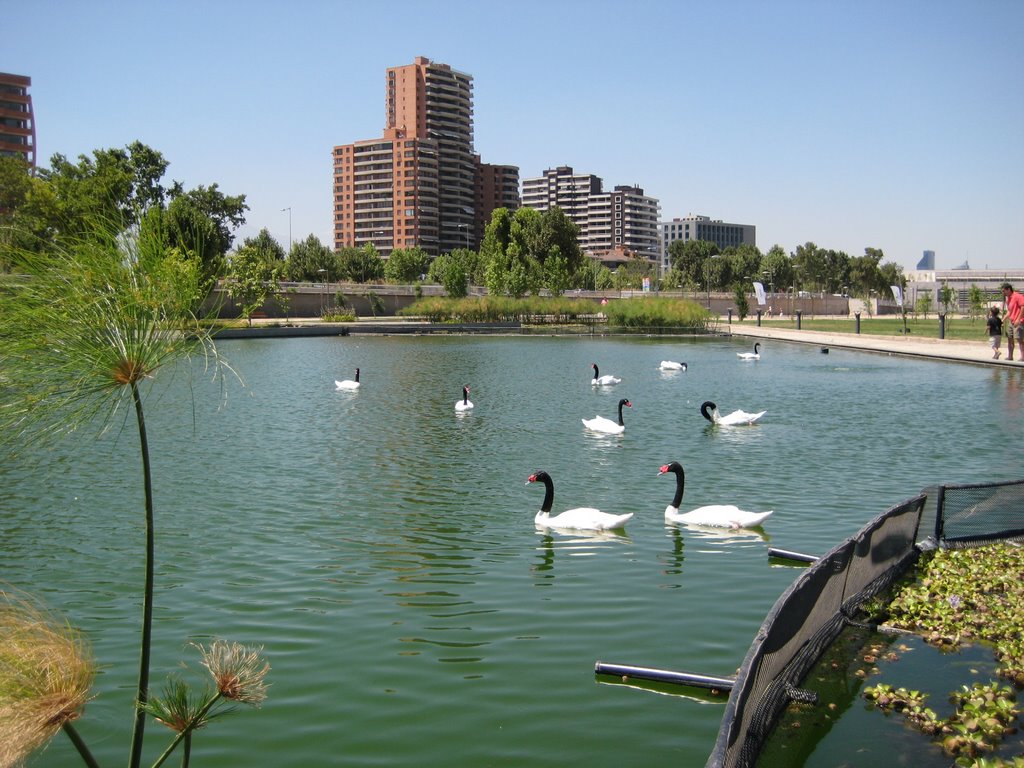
pixel 665 676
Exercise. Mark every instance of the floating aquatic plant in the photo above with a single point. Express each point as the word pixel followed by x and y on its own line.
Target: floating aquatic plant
pixel 953 597
pixel 964 595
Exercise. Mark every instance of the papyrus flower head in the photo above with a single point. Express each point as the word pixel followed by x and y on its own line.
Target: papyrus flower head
pixel 238 671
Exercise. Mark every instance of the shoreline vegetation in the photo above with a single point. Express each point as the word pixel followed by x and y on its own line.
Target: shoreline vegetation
pixel 560 310
pixel 652 313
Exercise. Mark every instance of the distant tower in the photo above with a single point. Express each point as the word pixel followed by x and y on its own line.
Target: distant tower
pixel 17 123
pixel 927 261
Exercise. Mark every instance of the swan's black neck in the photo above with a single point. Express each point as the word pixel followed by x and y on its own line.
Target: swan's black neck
pixel 549 490
pixel 705 410
pixel 465 396
pixel 595 371
pixel 622 403
pixel 680 482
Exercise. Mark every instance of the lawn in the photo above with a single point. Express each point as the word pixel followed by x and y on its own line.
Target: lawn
pixel 961 328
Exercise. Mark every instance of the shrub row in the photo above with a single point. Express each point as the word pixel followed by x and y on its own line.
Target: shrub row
pixel 647 312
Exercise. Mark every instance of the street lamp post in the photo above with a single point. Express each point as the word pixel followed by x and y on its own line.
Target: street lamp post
pixel 707 278
pixel 289 209
pixel 322 272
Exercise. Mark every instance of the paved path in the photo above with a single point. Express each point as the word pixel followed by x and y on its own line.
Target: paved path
pixel 977 352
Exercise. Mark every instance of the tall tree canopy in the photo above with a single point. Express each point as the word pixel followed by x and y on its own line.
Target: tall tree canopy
pixel 529 249
pixel 115 188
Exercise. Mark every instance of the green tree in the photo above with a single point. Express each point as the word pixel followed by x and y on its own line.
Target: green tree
pixel 559 238
pixel 837 271
pixel 809 261
pixel 776 263
pixel 690 258
pixel 449 270
pixel 266 244
pixel 924 304
pixel 28 210
pixel 742 303
pixel 556 273
pixel 506 246
pixel 891 273
pixel 975 302
pixel 251 279
pixel 308 257
pixel 360 265
pixel 405 265
pixel 203 220
pixel 113 185
pixel 865 275
pixel 947 298
pixel 745 262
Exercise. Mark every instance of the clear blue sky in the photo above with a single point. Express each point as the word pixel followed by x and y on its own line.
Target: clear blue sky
pixel 894 124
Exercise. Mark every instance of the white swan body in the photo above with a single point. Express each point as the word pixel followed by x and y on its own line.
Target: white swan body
pixel 348 383
pixel 715 515
pixel 755 355
pixel 580 518
pixel 735 419
pixel 603 381
pixel 465 403
pixel 607 426
pixel 670 365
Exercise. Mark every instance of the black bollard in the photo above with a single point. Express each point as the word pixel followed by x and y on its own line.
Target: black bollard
pixel 856 317
pixel 759 318
pixel 942 326
pixel 799 312
pixel 730 315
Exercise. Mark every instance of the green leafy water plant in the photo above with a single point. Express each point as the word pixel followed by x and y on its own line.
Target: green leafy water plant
pixel 86 328
pixel 954 597
pixel 964 595
pixel 983 714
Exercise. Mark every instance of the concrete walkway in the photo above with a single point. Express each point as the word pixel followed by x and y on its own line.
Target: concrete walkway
pixel 977 352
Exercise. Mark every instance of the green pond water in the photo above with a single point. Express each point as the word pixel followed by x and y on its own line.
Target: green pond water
pixel 382 547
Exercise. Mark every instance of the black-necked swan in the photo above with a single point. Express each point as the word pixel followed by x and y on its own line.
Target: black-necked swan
pixel 603 381
pixel 718 515
pixel 607 426
pixel 581 518
pixel 671 365
pixel 735 419
pixel 348 383
pixel 465 403
pixel 755 355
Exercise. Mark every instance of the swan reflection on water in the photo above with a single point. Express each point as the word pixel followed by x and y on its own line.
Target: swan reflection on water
pixel 734 436
pixel 573 543
pixel 722 535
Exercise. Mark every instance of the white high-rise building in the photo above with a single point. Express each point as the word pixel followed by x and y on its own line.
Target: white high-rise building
pixel 613 225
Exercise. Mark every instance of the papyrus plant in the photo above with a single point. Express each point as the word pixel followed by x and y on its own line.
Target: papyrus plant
pixel 46 671
pixel 84 328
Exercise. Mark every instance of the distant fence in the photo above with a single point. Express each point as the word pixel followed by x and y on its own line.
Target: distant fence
pixel 809 616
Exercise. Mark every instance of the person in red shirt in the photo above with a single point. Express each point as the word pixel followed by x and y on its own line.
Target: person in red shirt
pixel 1013 320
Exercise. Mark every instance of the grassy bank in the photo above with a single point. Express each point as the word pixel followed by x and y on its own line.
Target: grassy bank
pixel 960 328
